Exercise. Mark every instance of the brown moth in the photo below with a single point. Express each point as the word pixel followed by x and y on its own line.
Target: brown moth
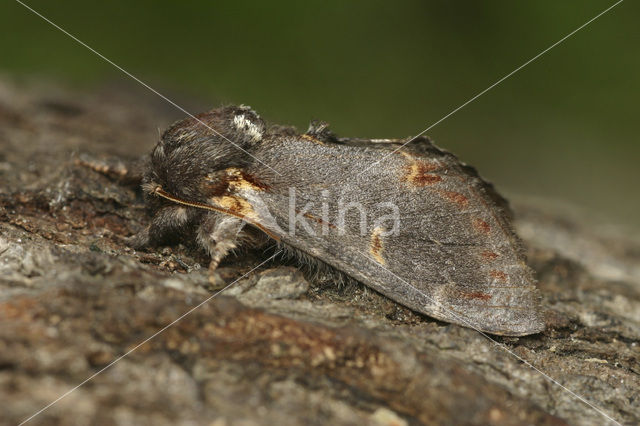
pixel 419 226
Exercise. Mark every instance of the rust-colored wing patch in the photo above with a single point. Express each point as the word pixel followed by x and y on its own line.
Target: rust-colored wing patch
pixel 376 246
pixel 456 197
pixel 231 180
pixel 419 172
pixel 481 226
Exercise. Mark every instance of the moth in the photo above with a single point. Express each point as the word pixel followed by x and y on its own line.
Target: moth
pixel 408 220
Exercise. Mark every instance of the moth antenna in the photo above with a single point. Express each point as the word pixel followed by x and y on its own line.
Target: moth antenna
pixel 157 190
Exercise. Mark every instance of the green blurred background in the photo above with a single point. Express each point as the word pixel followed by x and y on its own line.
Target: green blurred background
pixel 565 126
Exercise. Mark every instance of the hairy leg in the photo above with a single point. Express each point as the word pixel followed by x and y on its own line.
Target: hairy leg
pixel 219 234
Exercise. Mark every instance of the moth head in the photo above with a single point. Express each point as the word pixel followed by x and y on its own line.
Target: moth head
pixel 194 150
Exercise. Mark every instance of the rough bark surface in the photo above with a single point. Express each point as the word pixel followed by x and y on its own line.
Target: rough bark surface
pixel 272 348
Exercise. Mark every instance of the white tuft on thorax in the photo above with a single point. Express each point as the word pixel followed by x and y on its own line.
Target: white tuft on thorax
pixel 244 125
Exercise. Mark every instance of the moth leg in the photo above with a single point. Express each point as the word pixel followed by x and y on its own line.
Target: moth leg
pixel 126 171
pixel 320 130
pixel 166 221
pixel 219 234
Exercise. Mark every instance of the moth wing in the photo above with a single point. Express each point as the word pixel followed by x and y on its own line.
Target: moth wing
pixel 423 146
pixel 453 254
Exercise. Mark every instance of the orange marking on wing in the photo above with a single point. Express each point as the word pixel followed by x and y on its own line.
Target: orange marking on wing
pixel 476 295
pixel 481 226
pixel 243 180
pixel 235 205
pixel 219 184
pixel 489 255
pixel 376 246
pixel 498 275
pixel 418 172
pixel 457 198
pixel 426 179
